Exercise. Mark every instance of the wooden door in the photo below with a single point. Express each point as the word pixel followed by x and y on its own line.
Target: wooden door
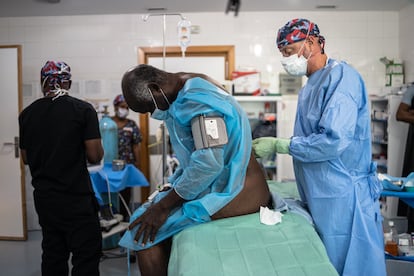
pixel 12 188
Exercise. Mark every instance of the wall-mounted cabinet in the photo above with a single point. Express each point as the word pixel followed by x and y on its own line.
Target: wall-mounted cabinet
pixel 388 143
pixel 388 135
pixel 379 133
pixel 283 108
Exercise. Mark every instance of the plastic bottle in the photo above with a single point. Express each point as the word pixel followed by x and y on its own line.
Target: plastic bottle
pixel 393 231
pixel 109 134
pixel 404 242
pixel 412 239
pixel 391 239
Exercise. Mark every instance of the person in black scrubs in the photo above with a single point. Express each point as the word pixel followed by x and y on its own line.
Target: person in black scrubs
pixel 58 135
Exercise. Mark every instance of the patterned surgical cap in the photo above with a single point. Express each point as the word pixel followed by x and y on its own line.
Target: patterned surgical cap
pixel 297 30
pixel 119 99
pixel 55 71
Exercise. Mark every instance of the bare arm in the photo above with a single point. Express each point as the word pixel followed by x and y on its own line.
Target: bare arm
pixel 23 155
pixel 94 150
pixel 405 113
pixel 136 150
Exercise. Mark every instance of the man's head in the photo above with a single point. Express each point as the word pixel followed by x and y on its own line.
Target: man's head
pixel 298 40
pixel 55 75
pixel 297 30
pixel 140 84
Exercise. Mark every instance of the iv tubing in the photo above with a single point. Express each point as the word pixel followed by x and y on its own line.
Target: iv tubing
pixel 164 135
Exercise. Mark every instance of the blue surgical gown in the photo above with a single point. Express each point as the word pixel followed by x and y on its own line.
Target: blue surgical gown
pixel 208 179
pixel 331 151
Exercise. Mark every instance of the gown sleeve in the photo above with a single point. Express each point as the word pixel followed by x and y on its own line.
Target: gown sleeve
pixel 336 128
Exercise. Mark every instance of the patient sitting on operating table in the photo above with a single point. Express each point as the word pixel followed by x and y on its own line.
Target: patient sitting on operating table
pixel 218 177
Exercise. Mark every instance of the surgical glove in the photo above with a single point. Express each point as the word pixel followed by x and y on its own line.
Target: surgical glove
pixel 282 145
pixel 266 146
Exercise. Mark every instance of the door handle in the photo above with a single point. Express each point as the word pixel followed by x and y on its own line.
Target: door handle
pixel 15 144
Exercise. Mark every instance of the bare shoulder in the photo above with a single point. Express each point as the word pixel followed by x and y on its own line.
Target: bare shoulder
pixel 255 193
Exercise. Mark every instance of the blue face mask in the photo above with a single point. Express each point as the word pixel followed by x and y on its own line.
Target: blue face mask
pixel 159 114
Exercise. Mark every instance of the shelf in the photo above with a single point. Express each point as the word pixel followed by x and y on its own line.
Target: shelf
pixel 379 142
pixel 407 197
pixel 258 98
pixel 400 258
pixel 379 120
pixel 381 166
pixel 378 99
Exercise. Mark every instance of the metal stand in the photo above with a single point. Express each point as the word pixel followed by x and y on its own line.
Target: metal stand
pixel 164 135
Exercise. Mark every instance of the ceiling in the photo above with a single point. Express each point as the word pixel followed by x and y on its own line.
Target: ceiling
pixel 17 8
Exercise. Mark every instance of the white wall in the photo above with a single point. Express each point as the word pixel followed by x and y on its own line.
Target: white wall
pixel 103 47
pixel 407 41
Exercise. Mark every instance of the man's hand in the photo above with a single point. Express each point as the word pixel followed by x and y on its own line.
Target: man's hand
pixel 149 223
pixel 155 216
pixel 266 146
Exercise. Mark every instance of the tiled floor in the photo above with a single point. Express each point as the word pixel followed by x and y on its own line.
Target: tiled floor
pixel 22 258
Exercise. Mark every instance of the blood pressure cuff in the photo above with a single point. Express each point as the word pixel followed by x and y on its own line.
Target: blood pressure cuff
pixel 208 132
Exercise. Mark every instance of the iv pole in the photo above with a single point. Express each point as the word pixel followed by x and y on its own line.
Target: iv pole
pixel 164 135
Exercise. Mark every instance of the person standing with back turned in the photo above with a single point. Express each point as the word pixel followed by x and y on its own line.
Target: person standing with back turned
pixel 331 152
pixel 59 134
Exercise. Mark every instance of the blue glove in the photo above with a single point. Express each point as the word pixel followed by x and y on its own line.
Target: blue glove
pixel 266 146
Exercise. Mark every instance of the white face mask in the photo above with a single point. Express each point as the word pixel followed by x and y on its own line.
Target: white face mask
pixel 294 65
pixel 122 112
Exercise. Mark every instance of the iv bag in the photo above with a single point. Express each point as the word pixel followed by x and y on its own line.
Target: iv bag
pixel 184 34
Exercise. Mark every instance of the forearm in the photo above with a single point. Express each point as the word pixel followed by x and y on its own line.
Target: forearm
pixel 94 150
pixel 405 113
pixel 406 116
pixel 171 201
pixel 23 155
pixel 137 153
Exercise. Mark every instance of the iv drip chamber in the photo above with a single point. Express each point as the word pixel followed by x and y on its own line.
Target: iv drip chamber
pixel 184 34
